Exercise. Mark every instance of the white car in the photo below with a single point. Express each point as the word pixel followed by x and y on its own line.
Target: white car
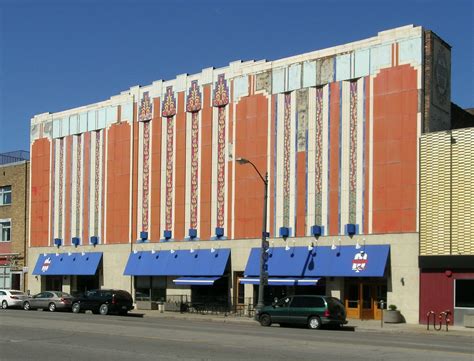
pixel 12 298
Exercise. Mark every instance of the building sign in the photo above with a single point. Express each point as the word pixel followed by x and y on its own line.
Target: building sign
pixel 360 262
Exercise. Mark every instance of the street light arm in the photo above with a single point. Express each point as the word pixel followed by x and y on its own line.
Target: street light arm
pixel 254 167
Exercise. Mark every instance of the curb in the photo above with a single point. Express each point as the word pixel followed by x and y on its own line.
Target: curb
pixel 357 328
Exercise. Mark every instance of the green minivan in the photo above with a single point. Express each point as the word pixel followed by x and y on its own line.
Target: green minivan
pixel 313 311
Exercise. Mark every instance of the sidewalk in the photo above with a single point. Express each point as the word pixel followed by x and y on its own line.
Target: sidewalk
pixel 356 325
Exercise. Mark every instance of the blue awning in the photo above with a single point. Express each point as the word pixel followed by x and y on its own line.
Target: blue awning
pixel 321 261
pixel 282 262
pixel 347 261
pixel 67 264
pixel 198 263
pixel 196 281
pixel 281 281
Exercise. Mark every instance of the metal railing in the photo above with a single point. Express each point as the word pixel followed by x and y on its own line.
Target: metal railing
pixel 209 305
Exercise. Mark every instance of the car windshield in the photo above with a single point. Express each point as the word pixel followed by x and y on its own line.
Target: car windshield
pixel 63 294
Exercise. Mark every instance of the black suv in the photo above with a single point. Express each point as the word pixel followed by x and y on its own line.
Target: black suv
pixel 313 311
pixel 103 302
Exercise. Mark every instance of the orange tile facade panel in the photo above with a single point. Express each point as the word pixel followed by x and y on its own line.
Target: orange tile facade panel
pixel 250 143
pixel 206 166
pixel 367 159
pixel 40 182
pixel 155 233
pixel 301 194
pixel 118 183
pixel 334 125
pixel 395 150
pixel 180 178
pixel 271 186
pixel 134 233
pixel 393 145
pixel 229 211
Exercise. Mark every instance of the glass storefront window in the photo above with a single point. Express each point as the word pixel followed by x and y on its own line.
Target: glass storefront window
pixel 464 294
pixel 5 277
pixel 150 288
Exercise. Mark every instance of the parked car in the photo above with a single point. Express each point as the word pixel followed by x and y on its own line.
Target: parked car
pixel 12 298
pixel 104 302
pixel 48 300
pixel 313 311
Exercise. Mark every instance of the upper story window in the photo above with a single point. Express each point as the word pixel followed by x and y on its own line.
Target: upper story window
pixel 5 195
pixel 5 230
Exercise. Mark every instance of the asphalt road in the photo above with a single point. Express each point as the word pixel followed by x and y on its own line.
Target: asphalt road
pixel 41 335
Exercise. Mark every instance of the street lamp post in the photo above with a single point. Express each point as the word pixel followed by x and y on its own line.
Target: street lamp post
pixel 264 246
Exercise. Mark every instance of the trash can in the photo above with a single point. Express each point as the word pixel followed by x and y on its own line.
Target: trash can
pixel 161 307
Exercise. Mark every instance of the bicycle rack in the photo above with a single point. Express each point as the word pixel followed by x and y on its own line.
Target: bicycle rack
pixel 442 317
pixel 428 316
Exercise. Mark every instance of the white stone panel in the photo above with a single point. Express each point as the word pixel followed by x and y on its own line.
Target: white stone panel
pixel 294 77
pixel 309 74
pixel 361 63
pixel 82 122
pixel 343 67
pixel 410 51
pixel 101 118
pixel 278 80
pixel 91 120
pixel 111 115
pixel 127 112
pixel 380 57
pixel 56 128
pixel 74 124
pixel 241 87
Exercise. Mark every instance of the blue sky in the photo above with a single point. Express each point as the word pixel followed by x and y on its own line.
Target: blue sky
pixel 56 55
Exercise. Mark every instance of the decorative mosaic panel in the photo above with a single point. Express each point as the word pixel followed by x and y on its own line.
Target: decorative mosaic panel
pixel 145 175
pixel 221 92
pixel 169 104
pixel 193 105
pixel 61 187
pixel 319 157
pixel 169 172
pixel 286 160
pixel 97 182
pixel 302 110
pixel 263 81
pixel 145 111
pixel 221 99
pixel 353 154
pixel 78 184
pixel 169 111
pixel 193 102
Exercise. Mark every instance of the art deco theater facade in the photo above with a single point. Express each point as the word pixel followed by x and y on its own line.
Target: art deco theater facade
pixel 143 191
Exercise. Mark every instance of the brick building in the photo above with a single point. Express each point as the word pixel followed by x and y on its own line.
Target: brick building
pixel 143 192
pixel 14 191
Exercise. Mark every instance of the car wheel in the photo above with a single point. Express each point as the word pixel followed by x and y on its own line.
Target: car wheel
pixel 76 308
pixel 314 323
pixel 52 307
pixel 103 309
pixel 265 320
pixel 26 306
pixel 4 305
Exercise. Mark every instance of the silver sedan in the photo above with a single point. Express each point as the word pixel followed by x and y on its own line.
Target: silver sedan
pixel 49 300
pixel 12 298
